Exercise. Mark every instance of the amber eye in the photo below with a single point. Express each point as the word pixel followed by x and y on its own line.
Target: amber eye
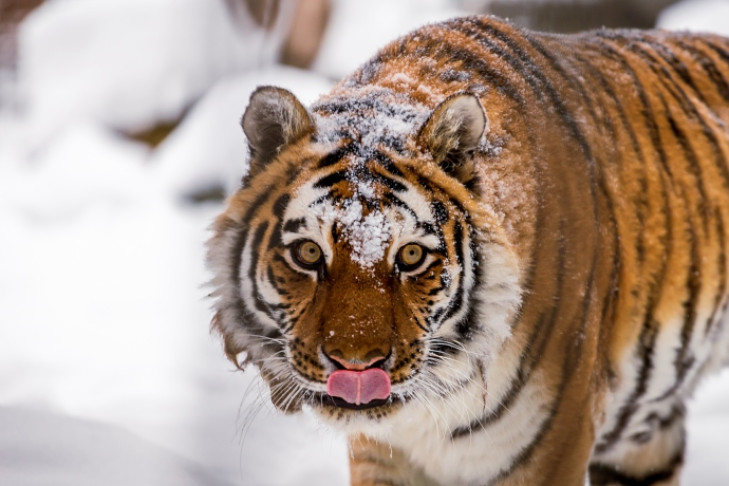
pixel 410 256
pixel 307 254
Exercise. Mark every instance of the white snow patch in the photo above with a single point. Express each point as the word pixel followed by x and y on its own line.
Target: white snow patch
pixel 86 165
pixel 369 116
pixel 130 63
pixel 209 148
pixel 367 235
pixel 358 29
pixel 696 16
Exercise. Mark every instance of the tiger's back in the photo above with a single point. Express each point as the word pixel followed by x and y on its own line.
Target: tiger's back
pixel 594 214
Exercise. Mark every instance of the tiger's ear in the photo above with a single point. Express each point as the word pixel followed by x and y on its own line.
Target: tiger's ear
pixel 452 132
pixel 273 119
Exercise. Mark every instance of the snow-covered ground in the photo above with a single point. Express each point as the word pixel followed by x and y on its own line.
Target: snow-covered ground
pixel 108 374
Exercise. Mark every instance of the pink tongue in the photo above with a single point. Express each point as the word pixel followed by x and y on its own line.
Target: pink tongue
pixel 359 387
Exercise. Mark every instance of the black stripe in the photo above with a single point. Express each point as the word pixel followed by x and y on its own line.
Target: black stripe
pixel 468 60
pixel 574 81
pixel 427 269
pixel 468 325
pixel 689 107
pixel 274 283
pixel 676 65
pixel 610 300
pixel 526 453
pixel 541 85
pixel 722 271
pixel 331 179
pixel 337 155
pixel 294 225
pixel 334 231
pixel 682 362
pixel 331 196
pixel 428 228
pixel 435 190
pixel 456 303
pixel 387 164
pixel 422 325
pixel 646 345
pixel 255 248
pixel 721 51
pixel 396 201
pixel 709 67
pixel 391 184
pixel 649 115
pixel 694 167
pixel 279 208
pixel 648 333
pixel 256 205
pixel 604 474
pixel 529 360
pixel 440 213
pixel 641 202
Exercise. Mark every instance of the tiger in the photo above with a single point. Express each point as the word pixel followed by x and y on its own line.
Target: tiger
pixel 489 256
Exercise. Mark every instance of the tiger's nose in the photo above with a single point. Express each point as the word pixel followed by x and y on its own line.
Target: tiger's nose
pixel 372 359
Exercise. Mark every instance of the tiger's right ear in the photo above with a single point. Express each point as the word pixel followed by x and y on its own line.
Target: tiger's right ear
pixel 453 132
pixel 273 119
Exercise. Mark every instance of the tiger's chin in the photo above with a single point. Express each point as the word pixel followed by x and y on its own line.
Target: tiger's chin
pixel 349 417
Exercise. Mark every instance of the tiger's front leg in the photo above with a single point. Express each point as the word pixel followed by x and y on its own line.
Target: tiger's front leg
pixel 650 454
pixel 372 463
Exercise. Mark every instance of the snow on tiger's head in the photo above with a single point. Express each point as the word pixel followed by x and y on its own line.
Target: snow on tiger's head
pixel 356 257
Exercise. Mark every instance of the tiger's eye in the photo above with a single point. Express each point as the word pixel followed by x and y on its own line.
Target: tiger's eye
pixel 410 255
pixel 307 253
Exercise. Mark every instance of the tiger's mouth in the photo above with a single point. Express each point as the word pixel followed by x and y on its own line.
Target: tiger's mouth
pixel 340 403
pixel 330 405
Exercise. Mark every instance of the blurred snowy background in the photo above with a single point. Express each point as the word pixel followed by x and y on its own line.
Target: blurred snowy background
pixel 119 137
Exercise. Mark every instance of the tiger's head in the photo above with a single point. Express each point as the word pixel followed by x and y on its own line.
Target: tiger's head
pixel 358 267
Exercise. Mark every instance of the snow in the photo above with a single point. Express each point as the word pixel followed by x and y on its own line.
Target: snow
pixel 189 162
pixel 128 63
pixel 374 116
pixel 368 235
pixel 108 373
pixel 358 29
pixel 697 16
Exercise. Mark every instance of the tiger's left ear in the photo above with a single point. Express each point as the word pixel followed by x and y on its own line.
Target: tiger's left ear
pixel 273 119
pixel 452 132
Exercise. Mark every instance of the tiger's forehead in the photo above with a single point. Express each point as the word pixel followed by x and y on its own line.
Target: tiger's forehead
pixel 369 210
pixel 371 116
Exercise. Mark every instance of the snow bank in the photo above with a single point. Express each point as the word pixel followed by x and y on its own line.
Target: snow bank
pixel 708 430
pixel 697 16
pixel 208 149
pixel 108 374
pixel 130 63
pixel 43 448
pixel 358 29
pixel 85 165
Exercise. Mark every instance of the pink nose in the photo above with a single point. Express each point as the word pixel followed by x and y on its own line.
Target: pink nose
pixel 356 365
pixel 359 387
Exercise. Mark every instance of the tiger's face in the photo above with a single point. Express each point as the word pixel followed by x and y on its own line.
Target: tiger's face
pixel 361 277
